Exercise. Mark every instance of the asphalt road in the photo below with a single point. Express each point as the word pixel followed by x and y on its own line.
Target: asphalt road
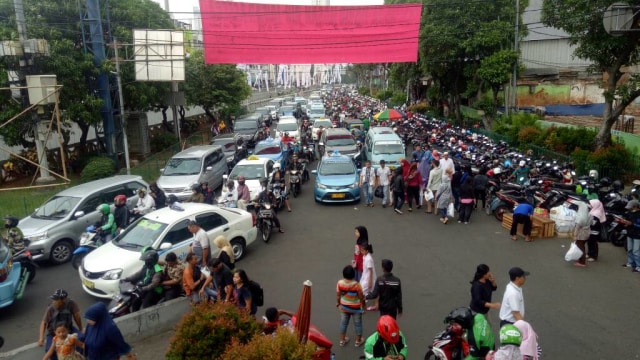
pixel 578 313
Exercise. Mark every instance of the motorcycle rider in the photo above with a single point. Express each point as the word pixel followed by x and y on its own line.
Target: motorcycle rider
pixel 108 223
pixel 148 279
pixel 121 213
pixel 231 198
pixel 297 165
pixel 388 343
pixel 13 236
pixel 279 185
pixel 244 195
pixel 207 193
pixel 145 203
pixel 266 196
pixel 510 340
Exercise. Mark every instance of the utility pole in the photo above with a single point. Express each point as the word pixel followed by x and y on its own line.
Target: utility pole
pixel 123 118
pixel 514 78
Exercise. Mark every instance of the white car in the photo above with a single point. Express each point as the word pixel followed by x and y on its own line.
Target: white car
pixel 288 124
pixel 253 169
pixel 316 126
pixel 166 231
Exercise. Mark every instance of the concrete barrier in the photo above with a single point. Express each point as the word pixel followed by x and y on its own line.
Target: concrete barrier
pixel 134 327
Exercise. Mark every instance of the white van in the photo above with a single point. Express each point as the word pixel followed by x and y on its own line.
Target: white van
pixel 316 112
pixel 382 143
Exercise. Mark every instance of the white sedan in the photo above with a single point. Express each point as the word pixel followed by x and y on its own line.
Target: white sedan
pixel 166 231
pixel 326 123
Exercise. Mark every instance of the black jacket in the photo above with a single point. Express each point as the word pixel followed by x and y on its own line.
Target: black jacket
pixel 121 216
pixel 388 290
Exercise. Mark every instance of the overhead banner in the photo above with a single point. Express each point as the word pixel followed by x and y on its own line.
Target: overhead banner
pixel 247 33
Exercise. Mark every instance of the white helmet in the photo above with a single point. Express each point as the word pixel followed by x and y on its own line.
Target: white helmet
pixel 276 166
pixel 497 171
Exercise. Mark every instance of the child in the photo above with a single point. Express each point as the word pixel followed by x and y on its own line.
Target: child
pixel 64 345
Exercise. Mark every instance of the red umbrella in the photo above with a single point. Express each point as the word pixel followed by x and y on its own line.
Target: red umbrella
pixel 303 315
pixel 388 114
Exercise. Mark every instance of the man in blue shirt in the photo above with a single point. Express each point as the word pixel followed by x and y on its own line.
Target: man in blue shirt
pixel 522 215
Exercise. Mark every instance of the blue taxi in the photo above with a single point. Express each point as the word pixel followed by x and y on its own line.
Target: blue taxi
pixel 272 149
pixel 337 179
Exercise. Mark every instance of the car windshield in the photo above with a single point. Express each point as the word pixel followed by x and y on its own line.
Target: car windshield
pixel 288 127
pixel 286 108
pixel 4 251
pixel 337 168
pixel 182 166
pixel 142 233
pixel 325 123
pixel 57 207
pixel 249 171
pixel 340 140
pixel 267 150
pixel 317 111
pixel 388 149
pixel 245 125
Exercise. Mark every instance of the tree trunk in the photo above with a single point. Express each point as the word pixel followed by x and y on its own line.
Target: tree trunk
pixel 84 133
pixel 210 115
pixel 165 121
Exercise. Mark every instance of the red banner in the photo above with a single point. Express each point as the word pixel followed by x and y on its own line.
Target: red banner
pixel 246 33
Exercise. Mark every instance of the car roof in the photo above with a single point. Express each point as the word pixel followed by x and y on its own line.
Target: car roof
pixel 98 185
pixel 336 159
pixel 270 141
pixel 332 131
pixel 253 161
pixel 223 136
pixel 169 216
pixel 197 151
pixel 287 119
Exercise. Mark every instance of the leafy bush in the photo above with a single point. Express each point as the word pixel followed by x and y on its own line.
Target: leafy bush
pixel 420 108
pixel 364 91
pixel 397 99
pixel 207 330
pixel 163 141
pixel 98 168
pixel 529 135
pixel 282 345
pixel 511 125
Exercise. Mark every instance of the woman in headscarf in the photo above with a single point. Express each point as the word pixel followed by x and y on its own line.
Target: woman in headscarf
pixel 529 348
pixel 597 222
pixel 443 196
pixel 435 179
pixel 226 251
pixel 424 166
pixel 102 338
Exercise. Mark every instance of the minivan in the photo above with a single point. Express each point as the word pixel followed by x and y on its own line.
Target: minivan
pixel 54 228
pixel 382 143
pixel 316 112
pixel 193 166
pixel 338 139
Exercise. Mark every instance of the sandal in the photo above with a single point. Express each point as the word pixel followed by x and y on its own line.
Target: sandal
pixel 359 343
pixel 281 231
pixel 344 342
pixel 372 308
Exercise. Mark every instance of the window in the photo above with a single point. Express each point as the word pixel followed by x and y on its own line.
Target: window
pixel 210 221
pixel 109 194
pixel 90 204
pixel 178 233
pixel 132 188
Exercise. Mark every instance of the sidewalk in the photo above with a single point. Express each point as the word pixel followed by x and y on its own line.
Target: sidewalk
pixel 152 348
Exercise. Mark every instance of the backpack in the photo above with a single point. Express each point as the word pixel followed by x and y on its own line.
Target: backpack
pixel 257 293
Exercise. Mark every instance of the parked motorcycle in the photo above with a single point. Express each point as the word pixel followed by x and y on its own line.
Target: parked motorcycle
pixel 90 240
pixel 294 182
pixel 121 304
pixel 28 266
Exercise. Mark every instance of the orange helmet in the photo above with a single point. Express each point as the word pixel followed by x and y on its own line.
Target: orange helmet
pixel 388 329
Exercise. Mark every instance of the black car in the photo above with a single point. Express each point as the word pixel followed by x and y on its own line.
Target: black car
pixel 233 147
pixel 249 131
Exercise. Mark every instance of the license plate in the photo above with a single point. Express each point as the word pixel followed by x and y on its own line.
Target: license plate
pixel 88 284
pixel 265 214
pixel 338 196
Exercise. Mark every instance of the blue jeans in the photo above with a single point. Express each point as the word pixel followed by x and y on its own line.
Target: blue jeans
pixel 368 193
pixel 357 322
pixel 398 200
pixel 385 196
pixel 443 212
pixel 633 252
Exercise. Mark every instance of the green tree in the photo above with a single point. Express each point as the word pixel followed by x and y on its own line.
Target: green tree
pixel 582 20
pixel 495 71
pixel 214 87
pixel 58 22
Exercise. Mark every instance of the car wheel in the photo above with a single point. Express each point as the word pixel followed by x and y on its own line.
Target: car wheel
pixel 238 247
pixel 61 252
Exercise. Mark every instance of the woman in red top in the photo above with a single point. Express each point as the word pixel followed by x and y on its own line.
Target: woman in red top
pixel 413 180
pixel 362 237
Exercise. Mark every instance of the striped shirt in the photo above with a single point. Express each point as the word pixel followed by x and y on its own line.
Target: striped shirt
pixel 351 296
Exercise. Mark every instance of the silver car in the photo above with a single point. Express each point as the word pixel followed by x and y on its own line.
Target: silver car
pixel 54 228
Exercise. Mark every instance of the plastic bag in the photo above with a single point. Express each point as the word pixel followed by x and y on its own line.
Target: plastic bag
pixel 379 192
pixel 574 253
pixel 428 195
pixel 451 212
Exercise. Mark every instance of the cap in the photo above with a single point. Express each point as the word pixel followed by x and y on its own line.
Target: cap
pixel 632 204
pixel 517 272
pixel 445 153
pixel 521 163
pixel 59 294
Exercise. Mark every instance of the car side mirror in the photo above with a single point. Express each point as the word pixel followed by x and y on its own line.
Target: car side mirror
pixel 78 214
pixel 314 172
pixel 225 177
pixel 165 246
pixel 161 170
pixel 209 168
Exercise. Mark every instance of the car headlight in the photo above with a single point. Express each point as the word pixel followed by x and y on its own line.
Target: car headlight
pixel 112 274
pixel 354 185
pixel 322 186
pixel 190 187
pixel 37 237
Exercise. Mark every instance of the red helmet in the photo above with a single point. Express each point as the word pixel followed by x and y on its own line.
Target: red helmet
pixel 120 200
pixel 388 329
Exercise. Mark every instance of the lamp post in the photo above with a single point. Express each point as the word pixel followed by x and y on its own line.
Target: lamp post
pixel 514 78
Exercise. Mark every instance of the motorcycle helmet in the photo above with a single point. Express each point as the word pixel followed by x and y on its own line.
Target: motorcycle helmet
pixel 462 316
pixel 510 335
pixel 11 221
pixel 507 163
pixel 150 257
pixel 276 166
pixel 617 185
pixel 605 182
pixel 104 209
pixel 171 199
pixel 388 329
pixel 286 133
pixel 120 200
pixel 593 174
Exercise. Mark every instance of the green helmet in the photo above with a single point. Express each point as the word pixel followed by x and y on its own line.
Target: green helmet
pixel 510 335
pixel 104 208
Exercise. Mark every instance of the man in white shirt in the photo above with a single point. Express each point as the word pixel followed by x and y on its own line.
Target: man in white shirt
pixel 512 308
pixel 367 180
pixel 447 163
pixel 383 174
pixel 145 203
pixel 200 245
